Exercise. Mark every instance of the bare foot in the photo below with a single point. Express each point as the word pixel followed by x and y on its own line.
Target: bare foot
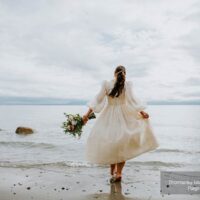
pixel 113 171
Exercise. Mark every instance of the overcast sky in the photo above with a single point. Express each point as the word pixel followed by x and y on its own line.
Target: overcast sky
pixel 65 48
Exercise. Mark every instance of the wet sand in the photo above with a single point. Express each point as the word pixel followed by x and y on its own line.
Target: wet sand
pixel 78 183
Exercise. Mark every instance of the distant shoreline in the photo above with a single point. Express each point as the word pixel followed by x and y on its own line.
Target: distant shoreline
pixel 6 100
pixel 150 104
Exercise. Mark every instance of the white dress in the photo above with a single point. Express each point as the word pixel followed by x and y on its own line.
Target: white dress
pixel 119 134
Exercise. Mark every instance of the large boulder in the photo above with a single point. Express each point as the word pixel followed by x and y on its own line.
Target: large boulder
pixel 24 130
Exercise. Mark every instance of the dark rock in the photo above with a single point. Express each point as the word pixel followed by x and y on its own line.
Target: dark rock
pixel 24 130
pixel 28 188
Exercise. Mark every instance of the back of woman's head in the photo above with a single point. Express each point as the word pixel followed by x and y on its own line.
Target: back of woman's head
pixel 120 74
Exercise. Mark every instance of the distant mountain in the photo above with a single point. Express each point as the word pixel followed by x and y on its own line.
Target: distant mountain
pixel 173 102
pixel 39 101
pixel 59 101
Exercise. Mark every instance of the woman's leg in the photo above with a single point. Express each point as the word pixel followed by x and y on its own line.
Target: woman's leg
pixel 120 168
pixel 113 168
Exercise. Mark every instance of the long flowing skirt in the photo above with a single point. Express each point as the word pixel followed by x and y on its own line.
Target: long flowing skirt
pixel 119 135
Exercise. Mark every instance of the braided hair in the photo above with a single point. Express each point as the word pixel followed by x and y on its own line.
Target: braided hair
pixel 120 73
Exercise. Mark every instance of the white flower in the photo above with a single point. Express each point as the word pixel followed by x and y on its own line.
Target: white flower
pixel 71 118
pixel 74 122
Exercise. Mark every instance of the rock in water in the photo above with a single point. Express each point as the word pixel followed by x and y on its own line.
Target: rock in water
pixel 24 130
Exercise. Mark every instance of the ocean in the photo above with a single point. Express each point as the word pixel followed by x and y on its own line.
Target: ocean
pixel 177 128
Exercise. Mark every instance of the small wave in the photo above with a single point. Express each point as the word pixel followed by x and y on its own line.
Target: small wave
pixel 50 164
pixel 174 151
pixel 156 163
pixel 27 144
pixel 177 125
pixel 85 164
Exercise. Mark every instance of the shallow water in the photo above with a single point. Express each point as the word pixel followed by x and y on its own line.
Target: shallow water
pixel 177 128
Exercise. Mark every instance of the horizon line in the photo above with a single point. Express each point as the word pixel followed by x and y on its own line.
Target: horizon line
pixel 6 100
pixel 82 104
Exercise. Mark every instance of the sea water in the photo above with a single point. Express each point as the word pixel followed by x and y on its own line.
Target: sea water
pixel 177 128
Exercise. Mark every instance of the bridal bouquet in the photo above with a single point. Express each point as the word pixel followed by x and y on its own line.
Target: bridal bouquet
pixel 74 124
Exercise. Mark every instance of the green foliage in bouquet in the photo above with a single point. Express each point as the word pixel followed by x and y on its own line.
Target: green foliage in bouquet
pixel 74 124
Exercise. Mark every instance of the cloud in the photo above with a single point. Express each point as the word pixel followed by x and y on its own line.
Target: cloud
pixel 64 49
pixel 193 81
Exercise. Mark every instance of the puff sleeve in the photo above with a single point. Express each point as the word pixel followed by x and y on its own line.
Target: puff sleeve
pixel 99 101
pixel 133 100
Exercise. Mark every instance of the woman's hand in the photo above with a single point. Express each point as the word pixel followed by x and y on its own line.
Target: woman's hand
pixel 144 114
pixel 85 119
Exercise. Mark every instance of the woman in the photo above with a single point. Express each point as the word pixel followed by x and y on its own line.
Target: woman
pixel 122 131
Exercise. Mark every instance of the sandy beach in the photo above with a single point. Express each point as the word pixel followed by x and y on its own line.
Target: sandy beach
pixel 78 183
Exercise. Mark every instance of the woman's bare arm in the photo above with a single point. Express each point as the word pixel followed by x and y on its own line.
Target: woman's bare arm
pixel 85 117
